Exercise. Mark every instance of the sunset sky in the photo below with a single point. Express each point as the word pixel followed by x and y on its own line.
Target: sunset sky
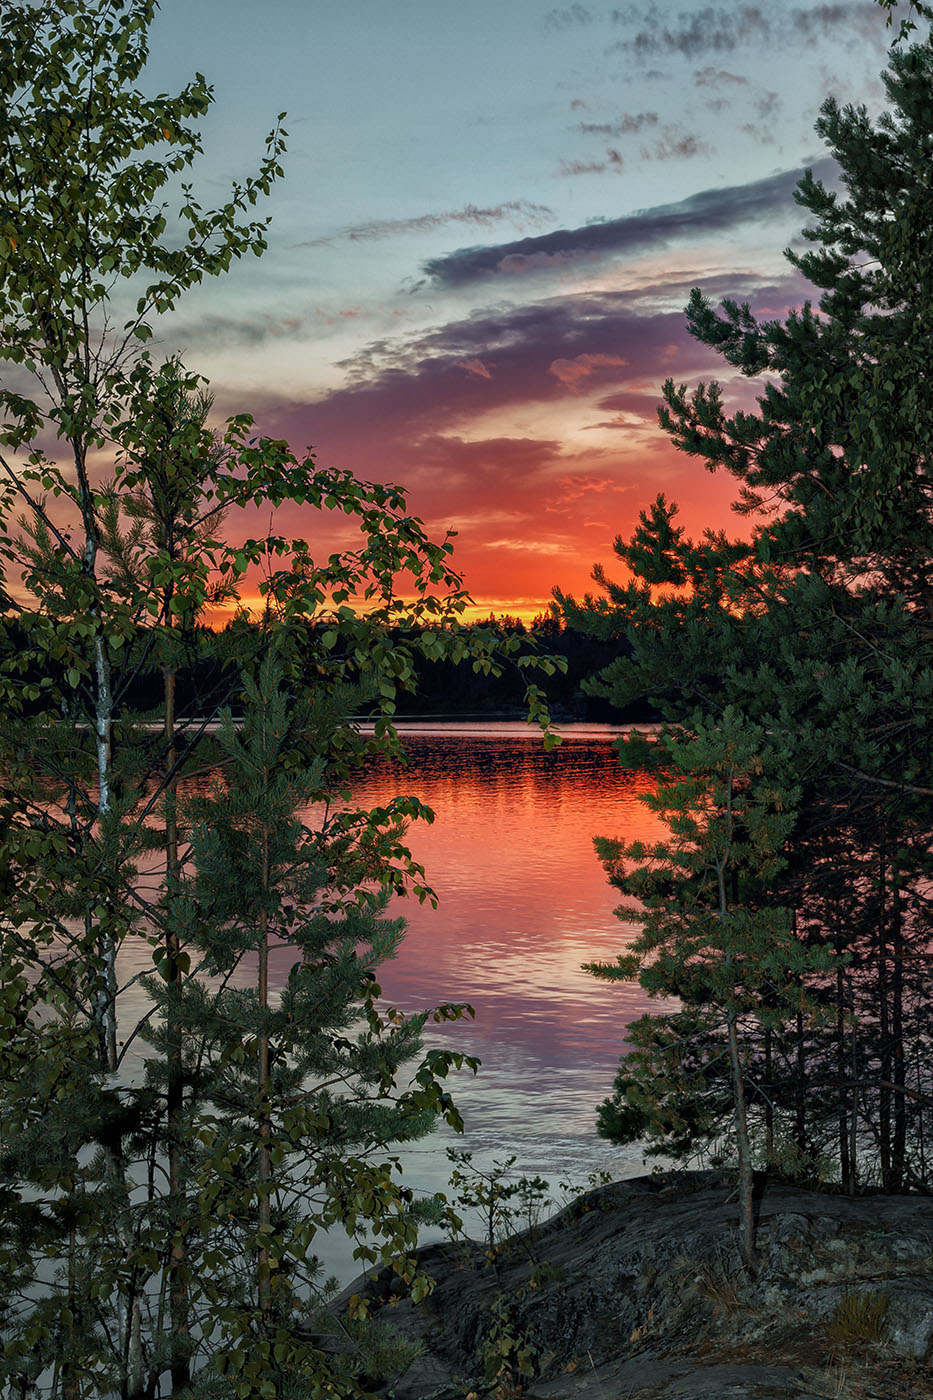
pixel 491 220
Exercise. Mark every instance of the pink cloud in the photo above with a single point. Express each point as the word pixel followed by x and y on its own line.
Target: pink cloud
pixel 475 366
pixel 579 484
pixel 571 372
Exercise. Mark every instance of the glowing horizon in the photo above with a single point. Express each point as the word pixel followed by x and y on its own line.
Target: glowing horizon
pixel 489 226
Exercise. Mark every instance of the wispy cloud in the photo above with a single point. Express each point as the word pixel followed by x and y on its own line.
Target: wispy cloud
pixel 768 106
pixel 718 30
pixel 706 31
pixel 520 211
pixel 709 211
pixel 613 161
pixel 675 144
pixel 571 373
pixel 717 77
pixel 587 167
pixel 579 484
pixel 570 17
pixel 672 142
pixel 212 330
pixel 534 546
pixel 476 366
pixel 628 123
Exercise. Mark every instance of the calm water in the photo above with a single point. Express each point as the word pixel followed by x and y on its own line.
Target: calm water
pixel 522 903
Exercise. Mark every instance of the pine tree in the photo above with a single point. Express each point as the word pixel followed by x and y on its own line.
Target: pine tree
pixel 710 933
pixel 293 1101
pixel 818 625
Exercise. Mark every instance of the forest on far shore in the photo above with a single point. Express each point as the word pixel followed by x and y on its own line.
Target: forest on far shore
pixel 441 688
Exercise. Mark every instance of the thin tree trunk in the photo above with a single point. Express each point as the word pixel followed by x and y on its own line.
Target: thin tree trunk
pixel 769 1103
pixel 103 721
pixel 106 1001
pixel 135 1366
pixel 743 1146
pixel 264 1172
pixel 898 1065
pixel 921 1138
pixel 178 1288
pixel 800 1092
pixel 853 1112
pixel 845 1169
pixel 800 1080
pixel 746 1175
pixel 884 1027
pixel 69 1380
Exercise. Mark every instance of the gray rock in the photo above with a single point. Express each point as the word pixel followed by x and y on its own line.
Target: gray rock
pixel 635 1292
pixel 909 1319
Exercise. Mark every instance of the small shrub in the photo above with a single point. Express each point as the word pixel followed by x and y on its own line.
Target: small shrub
pixel 858 1317
pixel 505 1205
pixel 721 1280
pixel 509 1357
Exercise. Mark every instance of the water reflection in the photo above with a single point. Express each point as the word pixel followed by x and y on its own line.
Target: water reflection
pixel 523 902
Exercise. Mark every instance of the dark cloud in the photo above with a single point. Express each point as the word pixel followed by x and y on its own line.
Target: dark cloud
pixel 625 125
pixel 421 412
pixel 709 211
pixel 571 17
pixel 425 385
pixel 521 210
pixel 718 30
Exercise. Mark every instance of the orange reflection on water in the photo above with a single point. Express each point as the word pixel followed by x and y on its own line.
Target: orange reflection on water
pixel 523 900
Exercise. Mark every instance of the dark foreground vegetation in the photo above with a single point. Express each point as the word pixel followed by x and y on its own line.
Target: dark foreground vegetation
pixel 174 1137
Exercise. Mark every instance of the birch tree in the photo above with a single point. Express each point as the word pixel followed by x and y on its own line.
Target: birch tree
pixel 123 516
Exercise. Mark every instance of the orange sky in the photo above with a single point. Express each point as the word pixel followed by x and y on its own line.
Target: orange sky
pixel 542 460
pixel 490 221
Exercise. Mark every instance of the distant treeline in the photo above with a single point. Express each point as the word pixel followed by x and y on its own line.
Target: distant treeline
pixel 207 663
pixel 445 688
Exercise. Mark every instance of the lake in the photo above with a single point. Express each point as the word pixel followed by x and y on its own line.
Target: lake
pixel 523 902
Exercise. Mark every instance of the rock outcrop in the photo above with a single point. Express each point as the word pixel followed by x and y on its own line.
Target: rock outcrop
pixel 635 1292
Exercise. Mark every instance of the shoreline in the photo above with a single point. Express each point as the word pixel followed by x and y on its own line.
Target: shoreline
pixel 634 1290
